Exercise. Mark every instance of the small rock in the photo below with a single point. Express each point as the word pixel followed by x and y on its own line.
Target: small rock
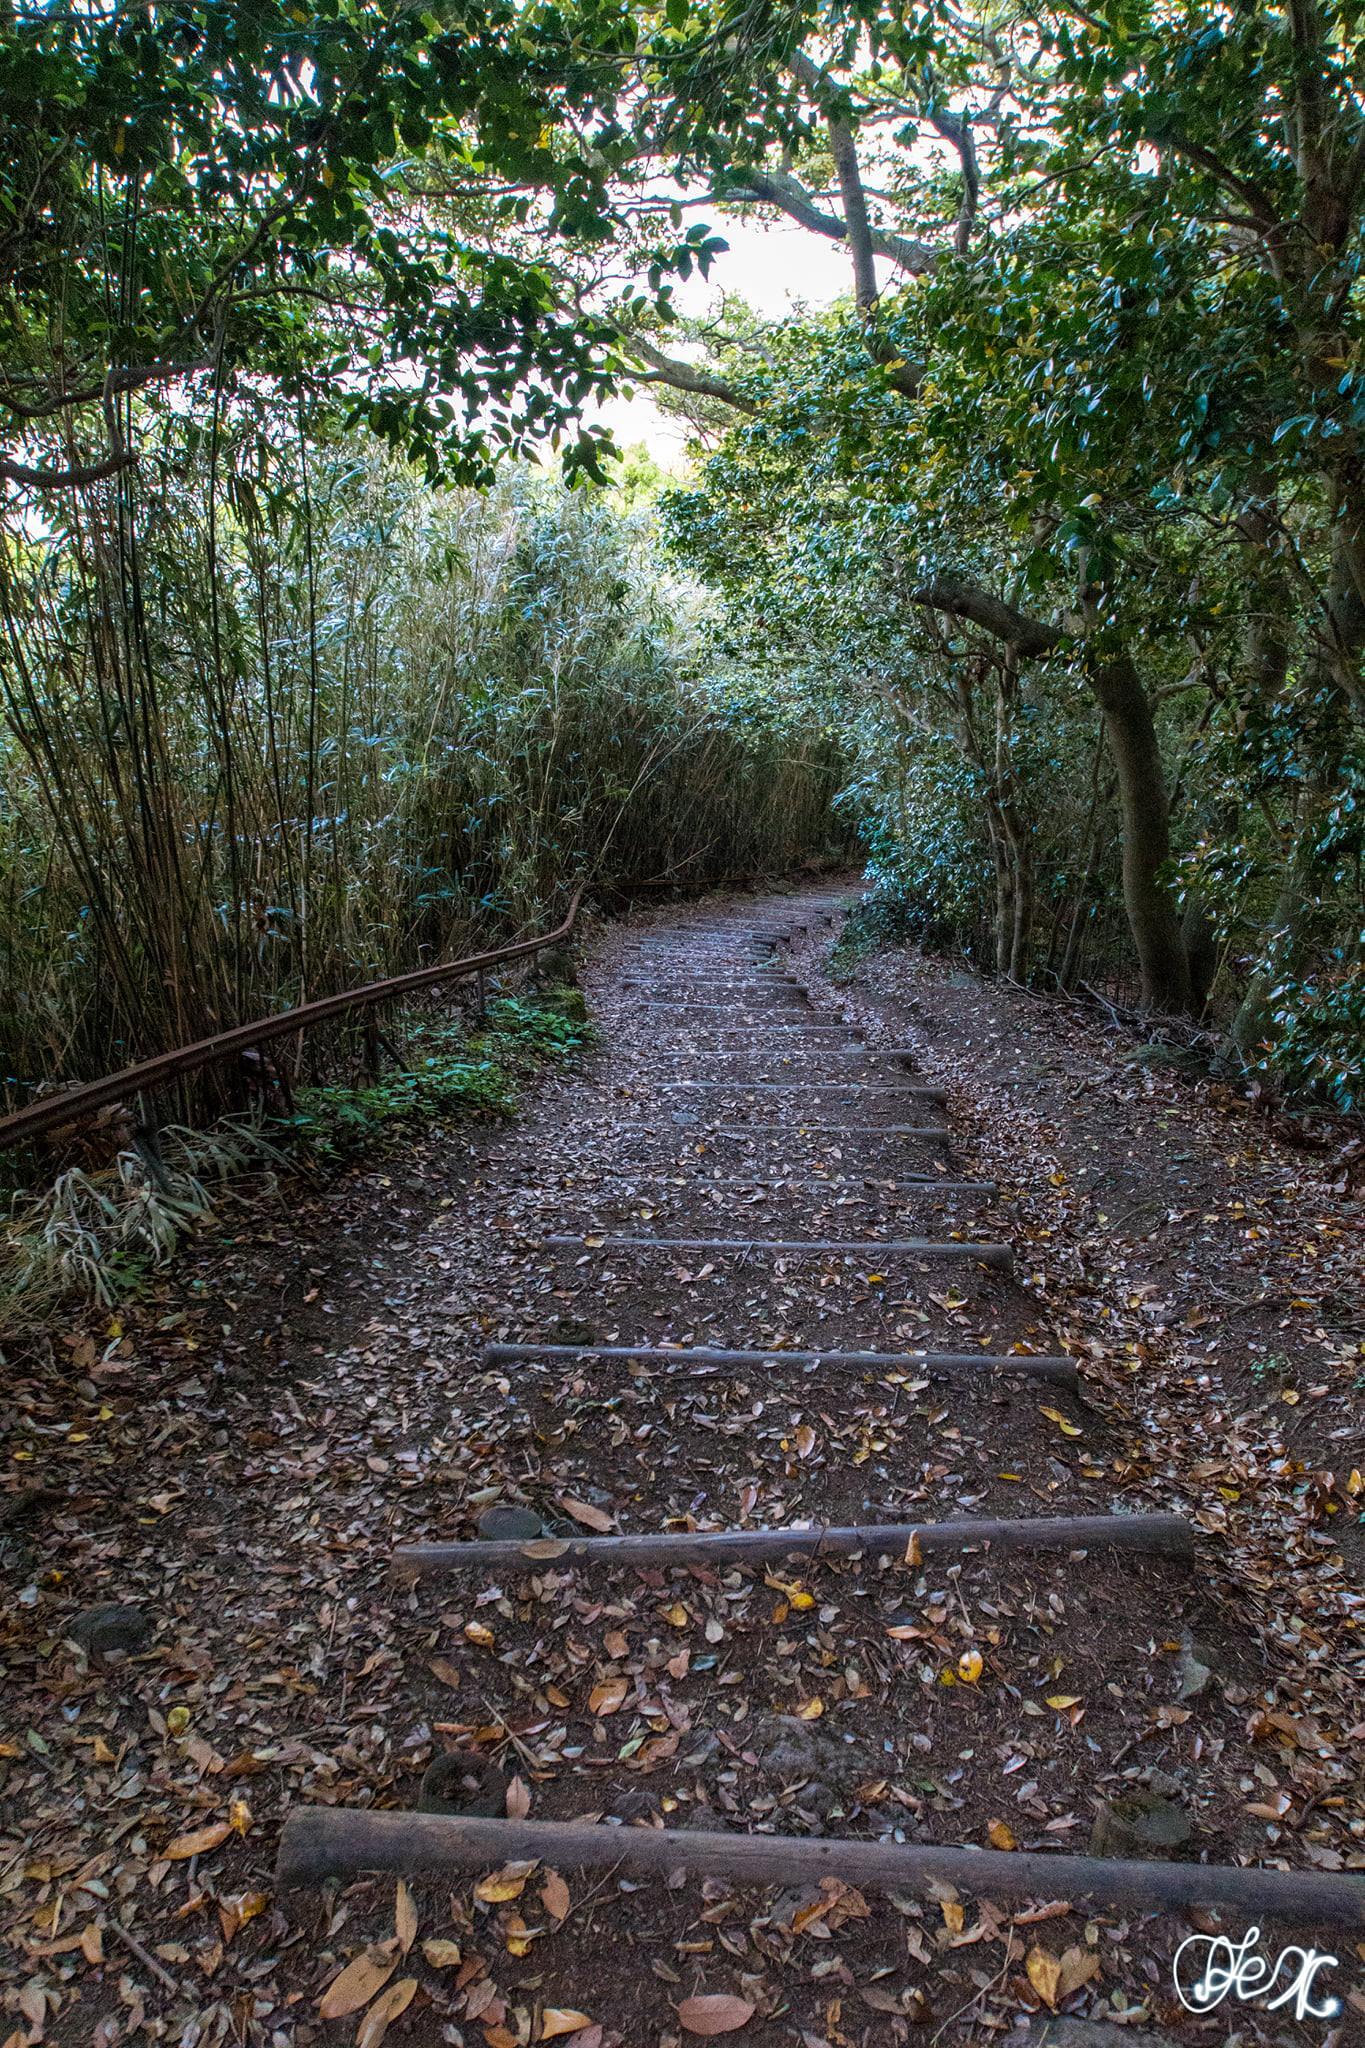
pixel 794 1750
pixel 109 1627
pixel 507 1523
pixel 1195 1667
pixel 1139 1824
pixel 463 1783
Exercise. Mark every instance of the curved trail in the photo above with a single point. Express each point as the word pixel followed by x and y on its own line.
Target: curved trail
pixel 750 1288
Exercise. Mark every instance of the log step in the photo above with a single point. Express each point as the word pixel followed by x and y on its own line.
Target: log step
pixel 1150 1535
pixel 1057 1371
pixel 997 1255
pixel 926 1093
pixel 804 1130
pixel 324 1843
pixel 908 1184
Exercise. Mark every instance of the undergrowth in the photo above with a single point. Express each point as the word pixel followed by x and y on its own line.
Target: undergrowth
pixel 97 1236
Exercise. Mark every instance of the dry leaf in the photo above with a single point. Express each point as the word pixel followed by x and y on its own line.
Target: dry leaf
pixel 1044 1974
pixel 608 1698
pixel 1002 1835
pixel 405 1918
pixel 197 1844
pixel 715 2012
pixel 357 1983
pixel 1079 1965
pixel 505 1884
pixel 1062 1700
pixel 591 1518
pixel 518 1799
pixel 375 2024
pixel 561 2019
pixel 1056 1415
pixel 554 1895
pixel 970 1666
pixel 442 1955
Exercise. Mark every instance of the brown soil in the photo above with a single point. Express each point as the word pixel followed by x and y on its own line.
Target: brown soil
pixel 241 1455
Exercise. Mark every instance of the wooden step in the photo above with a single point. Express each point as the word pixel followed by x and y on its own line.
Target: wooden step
pixel 321 1844
pixel 1151 1535
pixel 998 1256
pixel 926 1091
pixel 1056 1370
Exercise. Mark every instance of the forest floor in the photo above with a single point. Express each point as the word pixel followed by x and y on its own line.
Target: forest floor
pixel 239 1453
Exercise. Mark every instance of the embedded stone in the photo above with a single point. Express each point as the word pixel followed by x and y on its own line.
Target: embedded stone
pixel 464 1784
pixel 507 1523
pixel 110 1628
pixel 1139 1823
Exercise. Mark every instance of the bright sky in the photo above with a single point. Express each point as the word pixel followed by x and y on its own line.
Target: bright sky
pixel 773 268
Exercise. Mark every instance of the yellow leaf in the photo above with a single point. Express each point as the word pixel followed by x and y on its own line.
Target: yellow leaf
pixel 811 1710
pixel 1044 1974
pixel 970 1666
pixel 239 1817
pixel 375 2024
pixel 1062 1700
pixel 1002 1835
pixel 677 1614
pixel 561 2019
pixel 178 1720
pixel 953 1915
pixel 1056 1415
pixel 507 1883
pixel 475 1632
pixel 404 1917
pixel 357 1983
pixel 197 1844
pixel 876 1279
pixel 912 1549
pixel 442 1955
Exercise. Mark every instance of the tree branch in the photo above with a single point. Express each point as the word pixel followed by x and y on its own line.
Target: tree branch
pixel 666 369
pixel 963 600
pixel 75 473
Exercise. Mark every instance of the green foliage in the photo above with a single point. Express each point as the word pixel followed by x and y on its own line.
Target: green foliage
pixel 378 726
pixel 443 1070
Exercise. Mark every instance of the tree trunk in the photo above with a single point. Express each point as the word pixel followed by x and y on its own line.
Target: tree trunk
pixel 1145 813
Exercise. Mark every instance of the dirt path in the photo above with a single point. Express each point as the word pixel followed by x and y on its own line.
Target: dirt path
pixel 243 1463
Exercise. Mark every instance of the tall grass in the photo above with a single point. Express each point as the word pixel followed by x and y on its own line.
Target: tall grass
pixel 278 720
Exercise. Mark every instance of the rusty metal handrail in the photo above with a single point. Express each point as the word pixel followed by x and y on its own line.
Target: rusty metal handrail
pixel 22 1124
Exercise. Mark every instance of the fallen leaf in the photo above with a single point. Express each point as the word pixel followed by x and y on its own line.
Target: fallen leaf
pixel 561 2019
pixel 1062 1700
pixel 1002 1835
pixel 197 1844
pixel 442 1955
pixel 970 1666
pixel 609 1697
pixel 1044 1974
pixel 375 2024
pixel 554 1895
pixel 507 1883
pixel 1056 1415
pixel 357 1983
pixel 518 1799
pixel 715 2012
pixel 404 1918
pixel 590 1517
